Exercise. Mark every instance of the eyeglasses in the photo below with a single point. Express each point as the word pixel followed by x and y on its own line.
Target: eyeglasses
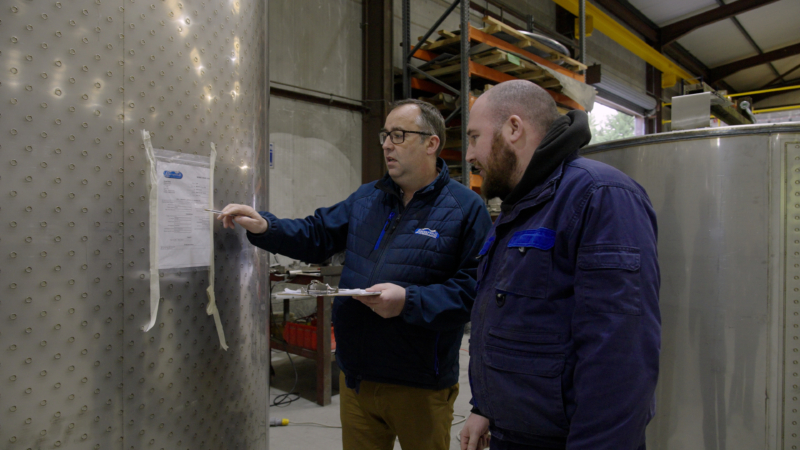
pixel 399 136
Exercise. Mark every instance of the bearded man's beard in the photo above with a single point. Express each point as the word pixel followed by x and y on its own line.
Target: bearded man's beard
pixel 500 166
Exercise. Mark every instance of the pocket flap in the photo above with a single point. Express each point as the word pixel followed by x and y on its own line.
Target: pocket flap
pixel 611 257
pixel 541 238
pixel 543 365
pixel 532 337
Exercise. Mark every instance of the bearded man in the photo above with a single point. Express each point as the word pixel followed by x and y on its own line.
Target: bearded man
pixel 566 327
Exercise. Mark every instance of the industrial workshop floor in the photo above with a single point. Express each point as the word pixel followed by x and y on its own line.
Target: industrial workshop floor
pixel 309 422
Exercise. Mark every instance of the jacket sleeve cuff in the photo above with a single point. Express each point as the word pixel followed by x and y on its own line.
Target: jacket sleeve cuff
pixel 411 308
pixel 477 411
pixel 272 226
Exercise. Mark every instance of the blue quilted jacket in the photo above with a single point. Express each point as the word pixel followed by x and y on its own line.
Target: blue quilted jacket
pixel 428 247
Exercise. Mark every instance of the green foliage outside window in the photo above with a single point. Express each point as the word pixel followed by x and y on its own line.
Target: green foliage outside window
pixel 615 126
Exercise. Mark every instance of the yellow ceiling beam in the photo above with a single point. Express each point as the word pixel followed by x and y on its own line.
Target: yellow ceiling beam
pixel 616 31
pixel 781 108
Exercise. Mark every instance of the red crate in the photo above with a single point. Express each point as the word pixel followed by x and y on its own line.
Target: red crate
pixel 304 335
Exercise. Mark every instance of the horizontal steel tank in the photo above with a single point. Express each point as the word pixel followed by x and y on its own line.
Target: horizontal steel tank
pixel 79 81
pixel 728 207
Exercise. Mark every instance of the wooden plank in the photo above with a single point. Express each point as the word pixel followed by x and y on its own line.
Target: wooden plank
pixel 549 84
pixel 494 58
pixel 530 43
pixel 442 43
pixel 489 73
pixel 510 68
pixel 534 76
pixel 441 101
pixel 479 36
pixel 494 24
pixel 443 71
pixel 428 41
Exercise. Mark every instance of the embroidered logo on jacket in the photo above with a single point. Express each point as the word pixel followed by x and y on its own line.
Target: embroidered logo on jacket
pixel 427 232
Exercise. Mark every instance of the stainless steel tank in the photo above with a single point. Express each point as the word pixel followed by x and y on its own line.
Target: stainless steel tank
pixel 79 79
pixel 728 206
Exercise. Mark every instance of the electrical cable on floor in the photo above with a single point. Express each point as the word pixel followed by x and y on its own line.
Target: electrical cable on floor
pixel 463 419
pixel 313 424
pixel 287 398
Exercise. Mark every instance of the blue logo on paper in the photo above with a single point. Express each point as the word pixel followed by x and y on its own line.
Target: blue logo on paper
pixel 427 232
pixel 171 174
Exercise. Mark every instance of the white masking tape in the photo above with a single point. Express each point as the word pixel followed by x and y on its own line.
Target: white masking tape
pixel 152 191
pixel 211 309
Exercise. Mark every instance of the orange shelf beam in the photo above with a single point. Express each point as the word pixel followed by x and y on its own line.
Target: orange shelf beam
pixel 424 55
pixel 489 73
pixel 564 100
pixel 427 86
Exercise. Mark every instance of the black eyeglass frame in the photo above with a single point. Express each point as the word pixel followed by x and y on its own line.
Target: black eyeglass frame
pixel 384 134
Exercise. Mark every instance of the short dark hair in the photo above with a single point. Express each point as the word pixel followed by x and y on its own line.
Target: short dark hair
pixel 430 120
pixel 523 98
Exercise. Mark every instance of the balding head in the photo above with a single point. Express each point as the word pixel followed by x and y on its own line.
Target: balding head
pixel 506 125
pixel 524 99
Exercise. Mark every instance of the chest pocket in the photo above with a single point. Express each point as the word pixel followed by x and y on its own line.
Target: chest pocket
pixel 527 263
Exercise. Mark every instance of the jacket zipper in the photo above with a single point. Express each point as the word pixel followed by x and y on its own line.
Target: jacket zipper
pixel 385 226
pixel 391 232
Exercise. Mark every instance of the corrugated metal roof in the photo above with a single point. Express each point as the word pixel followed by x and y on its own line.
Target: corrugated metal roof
pixel 665 12
pixel 717 44
pixel 771 27
pixel 751 79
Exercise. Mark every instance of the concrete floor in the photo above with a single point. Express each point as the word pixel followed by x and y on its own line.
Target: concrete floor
pixel 306 411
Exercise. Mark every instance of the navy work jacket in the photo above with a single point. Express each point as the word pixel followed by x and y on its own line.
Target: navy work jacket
pixel 428 247
pixel 566 326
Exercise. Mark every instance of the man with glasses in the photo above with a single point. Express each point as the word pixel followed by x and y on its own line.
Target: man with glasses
pixel 413 237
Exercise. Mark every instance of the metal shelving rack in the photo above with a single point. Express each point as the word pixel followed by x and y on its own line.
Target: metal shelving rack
pixel 409 53
pixel 468 68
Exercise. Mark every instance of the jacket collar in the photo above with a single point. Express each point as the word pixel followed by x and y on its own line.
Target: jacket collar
pixel 540 194
pixel 565 136
pixel 386 184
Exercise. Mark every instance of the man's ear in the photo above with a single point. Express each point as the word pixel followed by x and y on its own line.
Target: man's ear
pixel 515 128
pixel 433 144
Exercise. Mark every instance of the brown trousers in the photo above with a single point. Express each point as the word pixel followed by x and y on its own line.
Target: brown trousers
pixel 379 412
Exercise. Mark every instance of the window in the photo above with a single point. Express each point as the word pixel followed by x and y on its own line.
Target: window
pixel 608 124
